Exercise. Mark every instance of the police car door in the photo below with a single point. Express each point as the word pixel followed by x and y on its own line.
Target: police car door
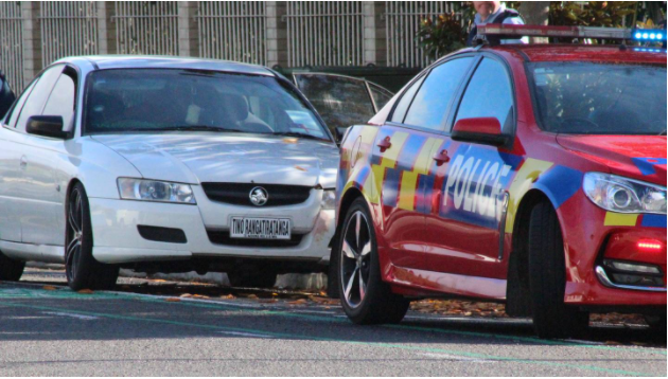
pixel 464 229
pixel 403 158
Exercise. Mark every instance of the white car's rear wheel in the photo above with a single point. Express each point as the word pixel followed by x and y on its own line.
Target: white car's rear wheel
pixel 83 271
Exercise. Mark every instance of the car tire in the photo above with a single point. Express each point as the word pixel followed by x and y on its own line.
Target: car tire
pixel 552 318
pixel 82 269
pixel 365 298
pixel 10 269
pixel 252 278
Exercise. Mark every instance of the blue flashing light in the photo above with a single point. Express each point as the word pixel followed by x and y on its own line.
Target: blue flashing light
pixel 649 35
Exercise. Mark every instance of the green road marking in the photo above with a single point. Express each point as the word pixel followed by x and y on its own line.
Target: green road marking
pixel 65 293
pixel 326 339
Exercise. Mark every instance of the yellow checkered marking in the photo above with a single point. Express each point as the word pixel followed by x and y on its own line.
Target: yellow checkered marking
pixel 409 179
pixel 527 174
pixel 620 219
pixel 375 181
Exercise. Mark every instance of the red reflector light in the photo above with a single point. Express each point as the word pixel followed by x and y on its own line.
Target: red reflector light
pixel 650 245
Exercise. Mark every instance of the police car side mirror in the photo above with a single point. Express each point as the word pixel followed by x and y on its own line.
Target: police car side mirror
pixel 483 130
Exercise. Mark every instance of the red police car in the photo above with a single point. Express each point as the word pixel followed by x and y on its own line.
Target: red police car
pixel 529 174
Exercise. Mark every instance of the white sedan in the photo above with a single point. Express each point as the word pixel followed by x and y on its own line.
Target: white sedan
pixel 165 164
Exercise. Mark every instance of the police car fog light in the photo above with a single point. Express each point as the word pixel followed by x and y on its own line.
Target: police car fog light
pixel 632 267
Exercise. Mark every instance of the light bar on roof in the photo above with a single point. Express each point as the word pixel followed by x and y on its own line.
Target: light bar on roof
pixel 554 31
pixel 648 35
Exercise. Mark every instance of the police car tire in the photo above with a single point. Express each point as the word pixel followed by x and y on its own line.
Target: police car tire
pixel 10 269
pixel 547 278
pixel 252 279
pixel 380 305
pixel 87 273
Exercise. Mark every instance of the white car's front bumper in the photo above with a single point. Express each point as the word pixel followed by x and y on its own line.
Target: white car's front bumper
pixel 117 239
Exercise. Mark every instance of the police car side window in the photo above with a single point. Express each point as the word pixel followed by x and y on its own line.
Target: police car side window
pixel 402 106
pixel 489 94
pixel 431 103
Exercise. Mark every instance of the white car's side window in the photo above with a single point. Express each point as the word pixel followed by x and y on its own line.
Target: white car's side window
pixel 37 98
pixel 15 111
pixel 61 101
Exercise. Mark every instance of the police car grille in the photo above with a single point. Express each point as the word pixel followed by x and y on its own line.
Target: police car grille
pixel 239 193
pixel 222 237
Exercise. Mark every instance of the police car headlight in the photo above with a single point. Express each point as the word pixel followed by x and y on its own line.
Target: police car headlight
pixel 152 190
pixel 618 194
pixel 328 199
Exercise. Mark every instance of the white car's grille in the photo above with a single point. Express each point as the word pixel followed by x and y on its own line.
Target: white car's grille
pixel 239 193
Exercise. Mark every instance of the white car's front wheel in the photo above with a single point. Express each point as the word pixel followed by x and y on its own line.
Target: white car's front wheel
pixel 83 271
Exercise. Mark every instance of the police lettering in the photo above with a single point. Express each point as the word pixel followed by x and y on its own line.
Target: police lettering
pixel 468 185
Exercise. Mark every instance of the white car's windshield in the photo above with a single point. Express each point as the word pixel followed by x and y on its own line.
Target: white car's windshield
pixel 597 98
pixel 162 100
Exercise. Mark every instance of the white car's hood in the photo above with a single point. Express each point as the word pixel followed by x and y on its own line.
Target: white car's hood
pixel 210 157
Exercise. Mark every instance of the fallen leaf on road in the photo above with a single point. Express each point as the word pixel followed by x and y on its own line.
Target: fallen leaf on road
pixel 268 301
pixel 200 296
pixel 85 292
pixel 230 296
pixel 186 295
pixel 49 288
pixel 172 299
pixel 297 302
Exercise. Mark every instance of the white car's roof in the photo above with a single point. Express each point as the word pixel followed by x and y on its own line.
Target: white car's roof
pixel 108 62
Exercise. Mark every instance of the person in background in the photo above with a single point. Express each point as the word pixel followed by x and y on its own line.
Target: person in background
pixel 493 12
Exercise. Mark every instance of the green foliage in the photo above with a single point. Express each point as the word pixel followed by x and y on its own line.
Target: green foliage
pixel 590 13
pixel 442 35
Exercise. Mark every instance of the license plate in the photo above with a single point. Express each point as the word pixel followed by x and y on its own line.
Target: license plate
pixel 260 228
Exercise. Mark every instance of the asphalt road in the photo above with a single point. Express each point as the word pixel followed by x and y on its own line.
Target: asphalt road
pixel 147 329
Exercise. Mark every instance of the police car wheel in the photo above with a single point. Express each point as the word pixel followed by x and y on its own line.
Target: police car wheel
pixel 83 271
pixel 552 318
pixel 10 269
pixel 365 298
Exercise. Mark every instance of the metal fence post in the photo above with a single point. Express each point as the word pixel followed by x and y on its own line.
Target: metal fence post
pixel 31 41
pixel 106 32
pixel 11 47
pixel 375 45
pixel 277 41
pixel 187 29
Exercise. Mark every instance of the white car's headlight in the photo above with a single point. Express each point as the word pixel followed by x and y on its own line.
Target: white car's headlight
pixel 152 190
pixel 328 199
pixel 619 194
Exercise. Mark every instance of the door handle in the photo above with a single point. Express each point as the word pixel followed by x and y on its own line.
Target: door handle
pixel 384 144
pixel 24 162
pixel 441 158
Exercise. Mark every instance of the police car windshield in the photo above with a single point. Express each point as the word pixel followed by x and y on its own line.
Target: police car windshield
pixel 599 98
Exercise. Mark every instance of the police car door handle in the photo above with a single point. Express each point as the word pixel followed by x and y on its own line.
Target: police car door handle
pixel 441 158
pixel 384 144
